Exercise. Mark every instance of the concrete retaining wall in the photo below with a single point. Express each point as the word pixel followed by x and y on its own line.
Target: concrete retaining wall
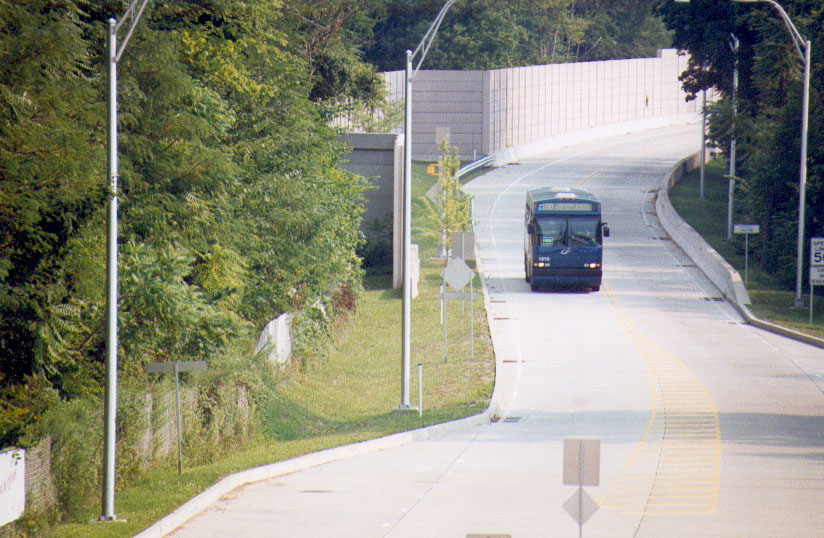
pixel 721 273
pixel 379 158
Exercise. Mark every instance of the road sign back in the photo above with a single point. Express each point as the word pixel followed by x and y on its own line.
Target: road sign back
pixel 582 462
pixel 457 274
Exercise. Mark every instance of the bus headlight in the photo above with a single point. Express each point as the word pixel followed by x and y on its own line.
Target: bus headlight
pixel 540 264
pixel 593 265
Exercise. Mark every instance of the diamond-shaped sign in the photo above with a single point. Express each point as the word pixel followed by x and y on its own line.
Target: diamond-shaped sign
pixel 581 506
pixel 457 274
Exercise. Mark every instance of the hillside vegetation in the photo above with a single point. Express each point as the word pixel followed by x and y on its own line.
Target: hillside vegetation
pixel 767 125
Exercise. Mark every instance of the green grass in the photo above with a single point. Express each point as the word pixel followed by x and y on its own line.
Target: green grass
pixel 345 398
pixel 770 301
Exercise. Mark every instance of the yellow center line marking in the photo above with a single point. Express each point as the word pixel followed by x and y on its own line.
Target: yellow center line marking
pixel 674 468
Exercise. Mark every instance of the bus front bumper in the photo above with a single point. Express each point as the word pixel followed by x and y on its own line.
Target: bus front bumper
pixel 550 277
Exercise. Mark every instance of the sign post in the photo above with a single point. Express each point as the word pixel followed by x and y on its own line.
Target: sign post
pixel 176 367
pixel 816 268
pixel 457 275
pixel 582 467
pixel 747 229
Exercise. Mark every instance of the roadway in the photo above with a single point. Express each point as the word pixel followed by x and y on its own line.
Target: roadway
pixel 708 426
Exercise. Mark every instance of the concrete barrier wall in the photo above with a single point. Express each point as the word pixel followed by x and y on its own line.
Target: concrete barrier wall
pixel 485 112
pixel 721 273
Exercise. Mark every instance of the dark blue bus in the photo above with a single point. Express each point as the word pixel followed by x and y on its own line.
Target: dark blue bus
pixel 564 234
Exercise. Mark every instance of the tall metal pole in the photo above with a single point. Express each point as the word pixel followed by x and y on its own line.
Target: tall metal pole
pixel 423 48
pixel 731 193
pixel 110 402
pixel 802 180
pixel 110 410
pixel 407 232
pixel 703 142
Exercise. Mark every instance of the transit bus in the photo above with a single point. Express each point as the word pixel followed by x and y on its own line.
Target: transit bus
pixel 564 234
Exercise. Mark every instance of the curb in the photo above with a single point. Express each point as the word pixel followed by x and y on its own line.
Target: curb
pixel 721 273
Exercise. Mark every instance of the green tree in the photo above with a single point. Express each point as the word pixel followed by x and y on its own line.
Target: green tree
pixel 452 209
pixel 51 174
pixel 233 206
pixel 479 34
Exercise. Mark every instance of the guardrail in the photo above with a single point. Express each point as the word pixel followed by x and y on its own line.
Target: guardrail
pixel 483 162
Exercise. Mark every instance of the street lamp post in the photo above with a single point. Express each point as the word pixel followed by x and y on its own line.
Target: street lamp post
pixel 731 189
pixel 110 406
pixel 802 46
pixel 703 142
pixel 422 48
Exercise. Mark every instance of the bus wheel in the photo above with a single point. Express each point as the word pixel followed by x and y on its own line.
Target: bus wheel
pixel 596 288
pixel 526 270
pixel 534 286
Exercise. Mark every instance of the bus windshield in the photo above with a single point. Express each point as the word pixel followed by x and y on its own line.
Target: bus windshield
pixel 568 232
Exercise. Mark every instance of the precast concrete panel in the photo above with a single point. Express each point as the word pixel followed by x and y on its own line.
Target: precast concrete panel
pixel 624 103
pixel 502 129
pixel 583 82
pixel 538 96
pixel 486 125
pixel 577 97
pixel 565 83
pixel 615 94
pixel 592 93
pixel 601 94
pixel 663 86
pixel 638 90
pixel 540 101
pixel 632 89
pixel 537 105
pixel 511 115
pixel 554 84
pixel 521 130
pixel 534 105
pixel 652 99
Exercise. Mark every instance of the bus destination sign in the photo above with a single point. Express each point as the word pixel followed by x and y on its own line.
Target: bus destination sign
pixel 570 207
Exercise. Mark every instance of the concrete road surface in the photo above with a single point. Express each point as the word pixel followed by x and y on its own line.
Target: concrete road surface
pixel 708 427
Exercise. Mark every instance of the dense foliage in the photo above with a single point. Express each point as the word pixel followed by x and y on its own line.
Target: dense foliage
pixel 232 206
pixel 481 34
pixel 768 123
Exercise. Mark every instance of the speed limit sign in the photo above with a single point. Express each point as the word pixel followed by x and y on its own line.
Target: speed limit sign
pixel 817 261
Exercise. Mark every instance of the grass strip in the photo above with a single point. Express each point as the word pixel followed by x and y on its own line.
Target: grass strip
pixel 770 300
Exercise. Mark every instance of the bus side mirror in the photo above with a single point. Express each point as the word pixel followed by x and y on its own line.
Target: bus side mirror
pixel 606 230
pixel 530 228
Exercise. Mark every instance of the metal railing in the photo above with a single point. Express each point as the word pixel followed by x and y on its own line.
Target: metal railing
pixel 483 162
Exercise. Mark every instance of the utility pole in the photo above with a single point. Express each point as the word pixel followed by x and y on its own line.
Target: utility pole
pixel 422 48
pixel 731 193
pixel 110 406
